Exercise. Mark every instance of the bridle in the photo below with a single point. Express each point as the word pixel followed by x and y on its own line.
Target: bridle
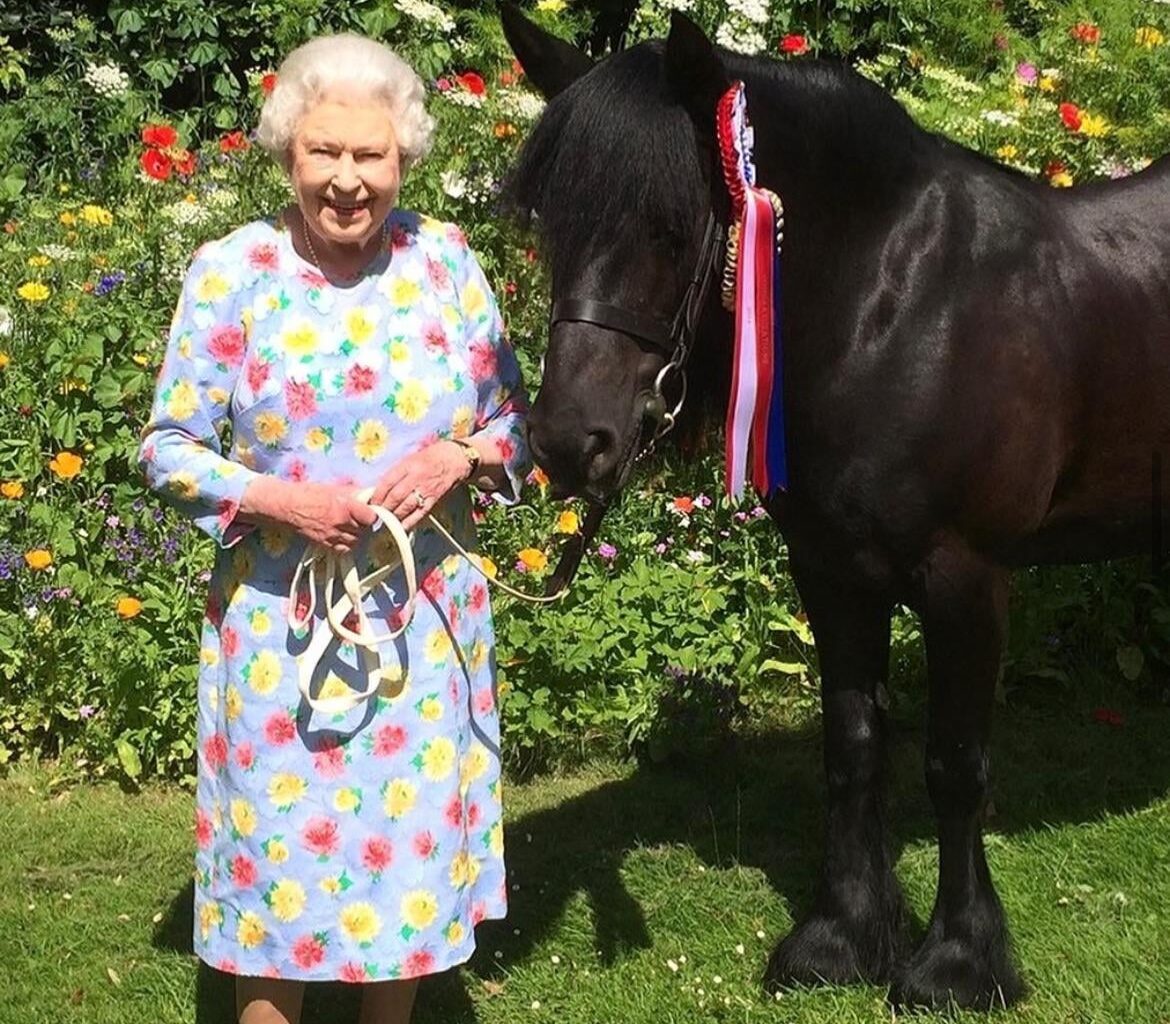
pixel 675 340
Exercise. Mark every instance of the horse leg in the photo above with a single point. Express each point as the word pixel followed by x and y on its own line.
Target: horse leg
pixel 965 958
pixel 852 931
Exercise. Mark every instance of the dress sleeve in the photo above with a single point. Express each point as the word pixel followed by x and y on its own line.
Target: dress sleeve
pixel 502 403
pixel 181 452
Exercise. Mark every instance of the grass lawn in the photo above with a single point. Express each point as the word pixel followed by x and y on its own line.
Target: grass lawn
pixel 641 895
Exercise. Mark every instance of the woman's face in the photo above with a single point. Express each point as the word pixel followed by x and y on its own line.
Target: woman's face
pixel 344 168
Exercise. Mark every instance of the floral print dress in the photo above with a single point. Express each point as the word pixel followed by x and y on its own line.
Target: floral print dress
pixel 363 846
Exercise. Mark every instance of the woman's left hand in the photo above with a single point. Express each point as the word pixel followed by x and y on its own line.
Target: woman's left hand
pixel 417 483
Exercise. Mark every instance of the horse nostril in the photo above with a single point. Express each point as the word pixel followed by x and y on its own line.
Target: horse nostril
pixel 598 451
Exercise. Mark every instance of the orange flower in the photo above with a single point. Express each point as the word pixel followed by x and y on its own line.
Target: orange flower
pixel 567 522
pixel 38 558
pixel 233 141
pixel 684 505
pixel 184 161
pixel 1086 33
pixel 12 489
pixel 66 465
pixel 268 83
pixel 128 607
pixel 533 559
pixel 159 136
pixel 503 130
pixel 538 476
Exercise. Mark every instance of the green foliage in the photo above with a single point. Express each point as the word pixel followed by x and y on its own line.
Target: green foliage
pixel 692 622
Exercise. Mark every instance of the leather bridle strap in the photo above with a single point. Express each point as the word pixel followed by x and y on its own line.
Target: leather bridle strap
pixel 602 314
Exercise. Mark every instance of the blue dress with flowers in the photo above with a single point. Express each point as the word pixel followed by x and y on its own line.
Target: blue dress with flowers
pixel 363 846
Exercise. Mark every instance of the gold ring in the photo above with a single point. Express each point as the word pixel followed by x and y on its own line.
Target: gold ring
pixel 420 498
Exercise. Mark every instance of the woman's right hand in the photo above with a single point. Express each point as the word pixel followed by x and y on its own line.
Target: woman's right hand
pixel 328 514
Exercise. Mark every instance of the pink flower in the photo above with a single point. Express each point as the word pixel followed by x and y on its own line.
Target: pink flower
pixel 477 598
pixel 360 380
pixel 352 972
pixel 243 871
pixel 245 756
pixel 473 815
pixel 329 761
pixel 483 361
pixel 424 845
pixel 308 951
pixel 376 854
pixel 389 740
pixel 280 728
pixel 257 373
pixel 263 257
pixel 215 752
pixel 419 962
pixel 321 836
pixel 226 345
pixel 435 338
pixel 301 398
pixel 484 701
pixel 438 274
pixel 203 830
pixel 434 584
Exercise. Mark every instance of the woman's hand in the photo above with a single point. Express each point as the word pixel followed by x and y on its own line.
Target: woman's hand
pixel 430 472
pixel 327 514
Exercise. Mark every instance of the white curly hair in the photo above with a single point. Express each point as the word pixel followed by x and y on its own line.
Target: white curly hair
pixel 345 61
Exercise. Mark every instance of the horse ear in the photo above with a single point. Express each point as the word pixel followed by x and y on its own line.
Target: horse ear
pixel 693 71
pixel 550 63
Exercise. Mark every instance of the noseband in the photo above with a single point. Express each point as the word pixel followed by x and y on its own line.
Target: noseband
pixel 675 340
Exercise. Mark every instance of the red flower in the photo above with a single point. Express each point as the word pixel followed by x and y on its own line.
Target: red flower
pixel 329 762
pixel 301 399
pixel 268 83
pixel 1086 33
pixel 308 951
pixel 159 136
pixel 257 373
pixel 472 82
pixel 389 740
pixel 473 815
pixel 157 165
pixel 477 598
pixel 230 642
pixel 233 141
pixel 794 43
pixel 226 345
pixel 203 829
pixel 433 584
pixel 280 729
pixel 360 380
pixel 1071 116
pixel 245 756
pixel 184 162
pixel 263 257
pixel 243 871
pixel 1053 168
pixel 419 962
pixel 376 854
pixel 321 836
pixel 353 973
pixel 424 844
pixel 453 812
pixel 215 752
pixel 1107 716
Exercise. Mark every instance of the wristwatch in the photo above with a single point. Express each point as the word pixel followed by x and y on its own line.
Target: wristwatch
pixel 472 453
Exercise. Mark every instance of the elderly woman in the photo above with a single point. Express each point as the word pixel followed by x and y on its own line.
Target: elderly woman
pixel 348 345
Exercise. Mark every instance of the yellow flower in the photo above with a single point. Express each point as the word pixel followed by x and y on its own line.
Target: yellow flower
pixel 334 686
pixel 430 709
pixel 39 261
pixel 12 489
pixel 1062 179
pixel 210 916
pixel 260 622
pixel 359 324
pixel 398 798
pixel 346 800
pixel 455 933
pixel 276 851
pixel 551 6
pixel 270 428
pixel 419 908
pixel 263 672
pixel 1008 152
pixel 286 790
pixel 533 558
pixel 234 703
pixel 286 899
pixel 68 219
pixel 488 566
pixel 438 759
pixel 496 839
pixel 4 360
pixel 438 646
pixel 183 484
pixel 360 922
pixel 243 816
pixel 140 359
pixel 369 439
pixel 33 291
pixel 128 607
pixel 399 353
pixel 404 293
pixel 1094 126
pixel 464 870
pixel 1047 83
pixel 38 558
pixel 474 302
pixel 211 287
pixel 330 886
pixel 250 932
pixel 479 653
pixel 318 440
pixel 301 339
pixel 412 401
pixel 567 522
pixel 1149 37
pixel 182 401
pixel 97 216
pixel 475 763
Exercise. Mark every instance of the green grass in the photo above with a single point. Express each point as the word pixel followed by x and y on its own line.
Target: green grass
pixel 619 872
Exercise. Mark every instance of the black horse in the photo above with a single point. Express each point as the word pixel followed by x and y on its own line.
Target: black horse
pixel 976 376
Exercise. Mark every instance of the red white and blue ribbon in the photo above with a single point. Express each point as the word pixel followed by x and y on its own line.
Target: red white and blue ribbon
pixel 755 416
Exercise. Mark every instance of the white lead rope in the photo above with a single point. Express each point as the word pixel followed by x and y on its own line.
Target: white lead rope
pixel 355 589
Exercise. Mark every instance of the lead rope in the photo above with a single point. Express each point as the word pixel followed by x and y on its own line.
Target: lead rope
pixel 357 587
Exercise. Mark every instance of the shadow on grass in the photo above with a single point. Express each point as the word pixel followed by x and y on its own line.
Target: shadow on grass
pixel 758 805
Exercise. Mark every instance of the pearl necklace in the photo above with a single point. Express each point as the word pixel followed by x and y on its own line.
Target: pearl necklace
pixel 305 234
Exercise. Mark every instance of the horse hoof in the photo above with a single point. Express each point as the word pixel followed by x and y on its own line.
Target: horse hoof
pixel 824 951
pixel 950 974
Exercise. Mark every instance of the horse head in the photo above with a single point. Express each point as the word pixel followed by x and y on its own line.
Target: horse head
pixel 617 177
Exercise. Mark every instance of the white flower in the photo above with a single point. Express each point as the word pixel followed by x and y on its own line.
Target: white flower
pixel 426 13
pixel 522 105
pixel 950 78
pixel 695 556
pixel 222 198
pixel 454 184
pixel 185 214
pixel 686 5
pixel 107 80
pixel 463 98
pixel 58 252
pixel 755 11
pixel 740 38
pixel 5 322
pixel 1001 118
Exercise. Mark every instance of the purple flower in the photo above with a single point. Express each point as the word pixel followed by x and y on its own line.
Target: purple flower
pixel 703 501
pixel 606 551
pixel 1027 73
pixel 520 566
pixel 86 711
pixel 113 521
pixel 660 548
pixel 108 283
